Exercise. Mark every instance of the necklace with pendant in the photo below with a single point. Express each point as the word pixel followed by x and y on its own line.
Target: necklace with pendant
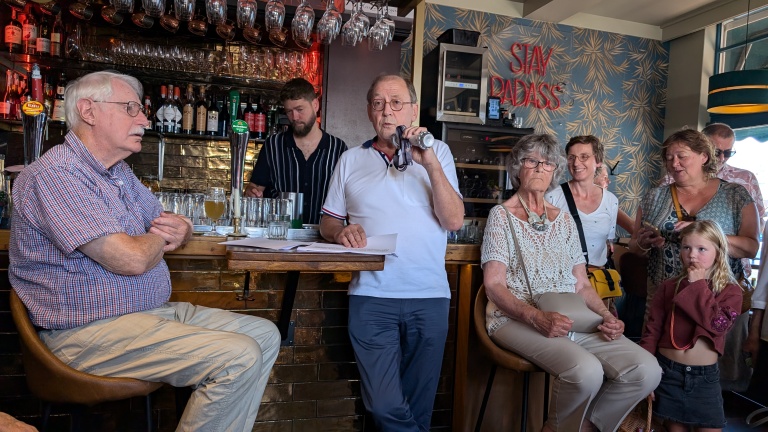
pixel 539 223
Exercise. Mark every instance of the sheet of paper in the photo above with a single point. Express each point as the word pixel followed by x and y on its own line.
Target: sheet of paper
pixel 265 243
pixel 377 245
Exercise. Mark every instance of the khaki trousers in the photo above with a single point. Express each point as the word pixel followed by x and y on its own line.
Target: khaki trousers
pixel 593 378
pixel 226 357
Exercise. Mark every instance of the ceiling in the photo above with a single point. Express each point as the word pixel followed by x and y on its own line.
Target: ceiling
pixel 657 19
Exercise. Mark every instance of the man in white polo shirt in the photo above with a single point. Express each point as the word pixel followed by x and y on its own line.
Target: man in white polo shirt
pixel 398 317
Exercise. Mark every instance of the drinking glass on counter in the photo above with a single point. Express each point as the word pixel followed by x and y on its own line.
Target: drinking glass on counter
pixel 215 204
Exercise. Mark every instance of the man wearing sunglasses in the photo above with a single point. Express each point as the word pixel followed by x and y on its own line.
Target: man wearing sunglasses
pixel 723 137
pixel 86 258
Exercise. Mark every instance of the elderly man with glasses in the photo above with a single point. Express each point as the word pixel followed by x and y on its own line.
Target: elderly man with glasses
pixel 398 317
pixel 86 258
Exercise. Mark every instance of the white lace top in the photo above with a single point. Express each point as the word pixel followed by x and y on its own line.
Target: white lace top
pixel 549 258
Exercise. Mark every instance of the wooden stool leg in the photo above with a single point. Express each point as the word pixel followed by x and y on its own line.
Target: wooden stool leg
pixel 148 406
pixel 546 396
pixel 526 384
pixel 487 394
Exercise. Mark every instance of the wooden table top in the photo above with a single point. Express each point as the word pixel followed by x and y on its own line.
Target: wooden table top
pixel 255 259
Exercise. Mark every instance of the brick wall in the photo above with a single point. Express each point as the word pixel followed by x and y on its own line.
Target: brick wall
pixel 314 385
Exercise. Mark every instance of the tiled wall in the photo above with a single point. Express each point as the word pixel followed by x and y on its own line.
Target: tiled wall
pixel 314 385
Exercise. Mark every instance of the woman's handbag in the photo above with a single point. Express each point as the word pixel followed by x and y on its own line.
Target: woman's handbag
pixel 571 305
pixel 607 282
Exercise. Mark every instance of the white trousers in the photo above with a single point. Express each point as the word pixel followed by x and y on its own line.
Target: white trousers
pixel 226 357
pixel 593 378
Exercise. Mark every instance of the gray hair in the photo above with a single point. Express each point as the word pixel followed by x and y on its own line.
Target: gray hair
pixel 96 86
pixel 411 89
pixel 545 145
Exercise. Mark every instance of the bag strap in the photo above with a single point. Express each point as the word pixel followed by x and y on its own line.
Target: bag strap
pixel 517 249
pixel 575 215
pixel 608 278
pixel 673 189
pixel 754 413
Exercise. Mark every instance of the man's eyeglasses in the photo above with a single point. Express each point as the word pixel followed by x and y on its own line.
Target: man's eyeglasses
pixel 396 105
pixel 132 108
pixel 582 157
pixel 533 164
pixel 726 153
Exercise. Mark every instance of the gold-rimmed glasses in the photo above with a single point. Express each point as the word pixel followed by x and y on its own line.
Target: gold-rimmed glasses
pixel 131 107
pixel 582 157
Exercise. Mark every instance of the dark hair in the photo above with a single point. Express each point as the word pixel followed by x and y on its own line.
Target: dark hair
pixel 544 144
pixel 698 143
pixel 721 130
pixel 298 88
pixel 597 146
pixel 408 84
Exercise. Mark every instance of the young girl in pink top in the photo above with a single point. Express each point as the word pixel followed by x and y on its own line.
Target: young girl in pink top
pixel 689 317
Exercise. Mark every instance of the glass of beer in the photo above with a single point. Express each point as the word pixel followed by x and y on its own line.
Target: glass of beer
pixel 215 204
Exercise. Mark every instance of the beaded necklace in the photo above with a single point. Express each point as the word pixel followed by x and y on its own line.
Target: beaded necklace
pixel 539 223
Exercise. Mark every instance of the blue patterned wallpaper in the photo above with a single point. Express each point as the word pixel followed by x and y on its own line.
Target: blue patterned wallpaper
pixel 609 85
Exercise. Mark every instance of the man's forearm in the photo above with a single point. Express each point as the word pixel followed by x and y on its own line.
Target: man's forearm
pixel 449 208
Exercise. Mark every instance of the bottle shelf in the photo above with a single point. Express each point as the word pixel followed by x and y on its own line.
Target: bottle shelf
pixel 144 74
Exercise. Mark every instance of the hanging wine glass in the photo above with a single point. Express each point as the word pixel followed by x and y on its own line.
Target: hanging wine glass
pixel 301 26
pixel 329 26
pixel 198 26
pixel 246 13
pixel 142 20
pixel 274 15
pixel 216 10
pixel 154 8
pixel 111 15
pixel 169 21
pixel 81 10
pixel 184 9
pixel 122 6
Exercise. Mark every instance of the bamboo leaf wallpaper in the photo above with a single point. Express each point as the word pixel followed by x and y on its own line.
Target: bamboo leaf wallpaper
pixel 609 85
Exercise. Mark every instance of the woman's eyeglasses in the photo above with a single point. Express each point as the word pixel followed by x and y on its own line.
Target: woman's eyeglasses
pixel 132 108
pixel 533 164
pixel 582 157
pixel 726 153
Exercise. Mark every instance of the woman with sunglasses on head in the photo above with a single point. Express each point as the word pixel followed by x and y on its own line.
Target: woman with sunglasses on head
pixel 695 194
pixel 530 247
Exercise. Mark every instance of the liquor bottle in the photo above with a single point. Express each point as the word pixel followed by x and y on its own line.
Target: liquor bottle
pixel 29 31
pixel 48 95
pixel 160 112
pixel 188 112
pixel 201 113
pixel 224 117
pixel 36 84
pixel 58 100
pixel 249 115
pixel 16 98
pixel 6 103
pixel 57 37
pixel 177 107
pixel 148 111
pixel 260 122
pixel 169 123
pixel 13 34
pixel 43 43
pixel 272 117
pixel 212 122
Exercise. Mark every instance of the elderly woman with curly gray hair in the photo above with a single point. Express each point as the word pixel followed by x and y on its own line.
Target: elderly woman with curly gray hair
pixel 531 248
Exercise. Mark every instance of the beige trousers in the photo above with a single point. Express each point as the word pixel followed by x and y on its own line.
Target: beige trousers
pixel 593 378
pixel 225 356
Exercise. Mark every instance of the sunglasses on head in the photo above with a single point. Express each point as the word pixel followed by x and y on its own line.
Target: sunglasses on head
pixel 726 153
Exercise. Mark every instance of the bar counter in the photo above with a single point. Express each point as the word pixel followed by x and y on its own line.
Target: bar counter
pixel 315 383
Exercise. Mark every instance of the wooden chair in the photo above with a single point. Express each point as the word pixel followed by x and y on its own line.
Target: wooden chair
pixel 505 359
pixel 53 381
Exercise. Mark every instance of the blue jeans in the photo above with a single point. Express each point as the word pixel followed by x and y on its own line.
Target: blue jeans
pixel 225 356
pixel 399 347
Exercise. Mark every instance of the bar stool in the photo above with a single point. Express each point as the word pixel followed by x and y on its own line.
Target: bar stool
pixel 505 359
pixel 53 381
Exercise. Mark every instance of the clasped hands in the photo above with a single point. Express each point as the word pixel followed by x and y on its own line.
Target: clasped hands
pixel 554 324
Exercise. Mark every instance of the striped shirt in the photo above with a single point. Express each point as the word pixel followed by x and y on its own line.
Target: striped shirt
pixel 281 167
pixel 62 201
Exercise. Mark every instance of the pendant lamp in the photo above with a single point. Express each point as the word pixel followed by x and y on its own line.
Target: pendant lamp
pixel 740 91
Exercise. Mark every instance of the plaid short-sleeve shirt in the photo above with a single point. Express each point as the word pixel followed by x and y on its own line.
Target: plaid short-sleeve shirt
pixel 62 201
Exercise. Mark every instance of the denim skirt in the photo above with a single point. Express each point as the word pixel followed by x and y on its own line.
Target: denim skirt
pixel 689 395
